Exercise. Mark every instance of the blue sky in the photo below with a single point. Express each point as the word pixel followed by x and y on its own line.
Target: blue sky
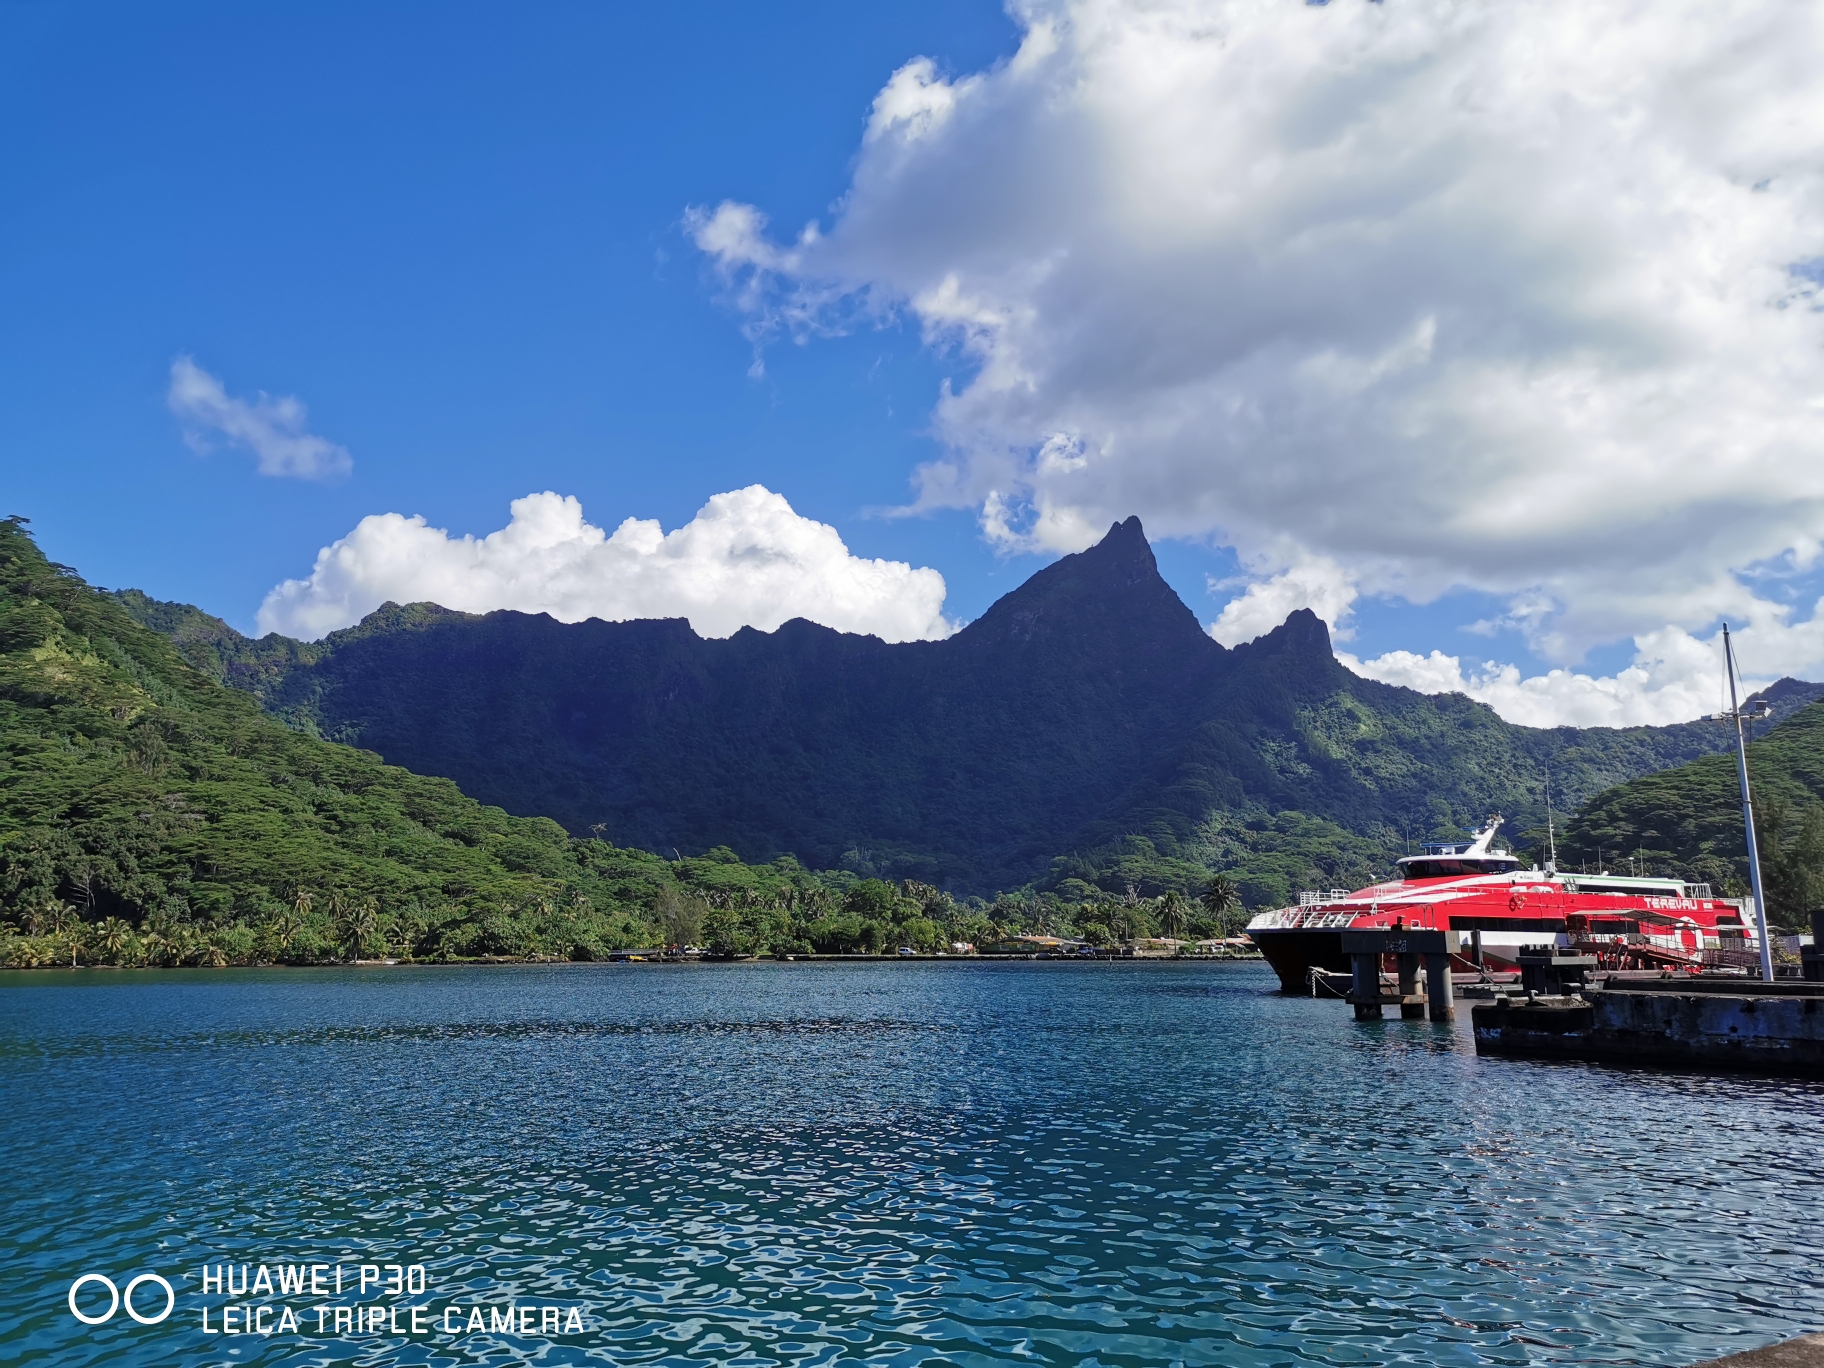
pixel 456 233
pixel 455 236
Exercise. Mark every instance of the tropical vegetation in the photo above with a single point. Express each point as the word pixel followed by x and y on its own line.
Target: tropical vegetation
pixel 1687 821
pixel 172 793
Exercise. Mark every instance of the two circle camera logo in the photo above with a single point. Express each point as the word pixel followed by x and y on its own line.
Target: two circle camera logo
pixel 118 1299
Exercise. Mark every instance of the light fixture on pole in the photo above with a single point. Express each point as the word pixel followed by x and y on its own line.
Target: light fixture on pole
pixel 1737 714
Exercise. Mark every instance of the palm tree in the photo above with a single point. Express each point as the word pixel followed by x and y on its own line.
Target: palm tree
pixel 1172 916
pixel 355 924
pixel 366 921
pixel 53 915
pixel 112 936
pixel 1121 920
pixel 1221 899
pixel 153 944
pixel 290 921
pixel 183 944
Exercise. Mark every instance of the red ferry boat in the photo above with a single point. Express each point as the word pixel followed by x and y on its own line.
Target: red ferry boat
pixel 1481 891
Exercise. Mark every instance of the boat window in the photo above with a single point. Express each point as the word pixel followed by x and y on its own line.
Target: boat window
pixel 1455 869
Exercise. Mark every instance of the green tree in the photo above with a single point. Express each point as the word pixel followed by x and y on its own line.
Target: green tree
pixel 1222 900
pixel 290 920
pixel 1121 921
pixel 112 937
pixel 680 917
pixel 921 933
pixel 724 934
pixel 358 927
pixel 1173 915
pixel 1792 861
pixel 872 899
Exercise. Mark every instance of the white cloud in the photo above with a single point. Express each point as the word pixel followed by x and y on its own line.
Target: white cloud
pixel 915 101
pixel 746 559
pixel 1647 692
pixel 274 430
pixel 1444 293
pixel 1314 582
pixel 1674 677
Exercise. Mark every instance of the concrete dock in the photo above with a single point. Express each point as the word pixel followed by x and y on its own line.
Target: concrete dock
pixel 1799 1353
pixel 1692 1021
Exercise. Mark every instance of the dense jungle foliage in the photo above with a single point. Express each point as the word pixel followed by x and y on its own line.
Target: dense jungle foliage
pixel 1688 821
pixel 149 815
pixel 1084 734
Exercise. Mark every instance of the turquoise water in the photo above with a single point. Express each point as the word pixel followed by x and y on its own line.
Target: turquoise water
pixel 896 1164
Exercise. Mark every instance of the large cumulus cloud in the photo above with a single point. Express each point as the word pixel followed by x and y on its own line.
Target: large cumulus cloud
pixel 746 559
pixel 1427 293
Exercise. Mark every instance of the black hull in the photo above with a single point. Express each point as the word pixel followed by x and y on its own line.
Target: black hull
pixel 1293 954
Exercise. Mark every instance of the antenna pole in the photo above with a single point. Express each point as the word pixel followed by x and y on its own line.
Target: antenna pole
pixel 1551 840
pixel 1754 851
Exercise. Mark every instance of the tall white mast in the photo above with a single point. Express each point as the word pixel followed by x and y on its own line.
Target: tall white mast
pixel 1754 851
pixel 1551 841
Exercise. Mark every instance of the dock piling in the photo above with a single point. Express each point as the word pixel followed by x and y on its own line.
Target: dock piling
pixel 1366 949
pixel 1365 992
pixel 1410 1008
pixel 1439 995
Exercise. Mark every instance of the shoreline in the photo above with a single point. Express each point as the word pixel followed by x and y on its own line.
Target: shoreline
pixel 637 963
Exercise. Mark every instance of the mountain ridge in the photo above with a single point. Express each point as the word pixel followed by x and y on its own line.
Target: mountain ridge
pixel 1084 709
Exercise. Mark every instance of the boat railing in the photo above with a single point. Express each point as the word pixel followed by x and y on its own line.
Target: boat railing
pixel 1732 959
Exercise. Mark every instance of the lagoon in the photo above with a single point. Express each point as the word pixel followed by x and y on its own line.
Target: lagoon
pixel 959 1163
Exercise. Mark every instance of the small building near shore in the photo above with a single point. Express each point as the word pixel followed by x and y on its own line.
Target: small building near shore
pixel 1031 945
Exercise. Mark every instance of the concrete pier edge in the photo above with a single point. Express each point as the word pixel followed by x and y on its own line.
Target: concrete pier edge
pixel 1805 1352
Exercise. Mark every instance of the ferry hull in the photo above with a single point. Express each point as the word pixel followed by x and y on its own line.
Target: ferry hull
pixel 1294 954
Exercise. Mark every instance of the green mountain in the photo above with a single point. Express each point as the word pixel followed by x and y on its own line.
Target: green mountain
pixel 1688 820
pixel 150 814
pixel 1084 734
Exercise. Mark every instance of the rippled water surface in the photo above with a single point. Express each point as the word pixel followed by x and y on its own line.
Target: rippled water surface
pixel 895 1164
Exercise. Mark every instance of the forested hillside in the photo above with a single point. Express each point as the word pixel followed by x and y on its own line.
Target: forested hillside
pixel 1082 736
pixel 148 814
pixel 1689 820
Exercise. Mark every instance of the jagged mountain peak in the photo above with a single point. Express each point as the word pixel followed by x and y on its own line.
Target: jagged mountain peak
pixel 1124 540
pixel 1303 633
pixel 1111 591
